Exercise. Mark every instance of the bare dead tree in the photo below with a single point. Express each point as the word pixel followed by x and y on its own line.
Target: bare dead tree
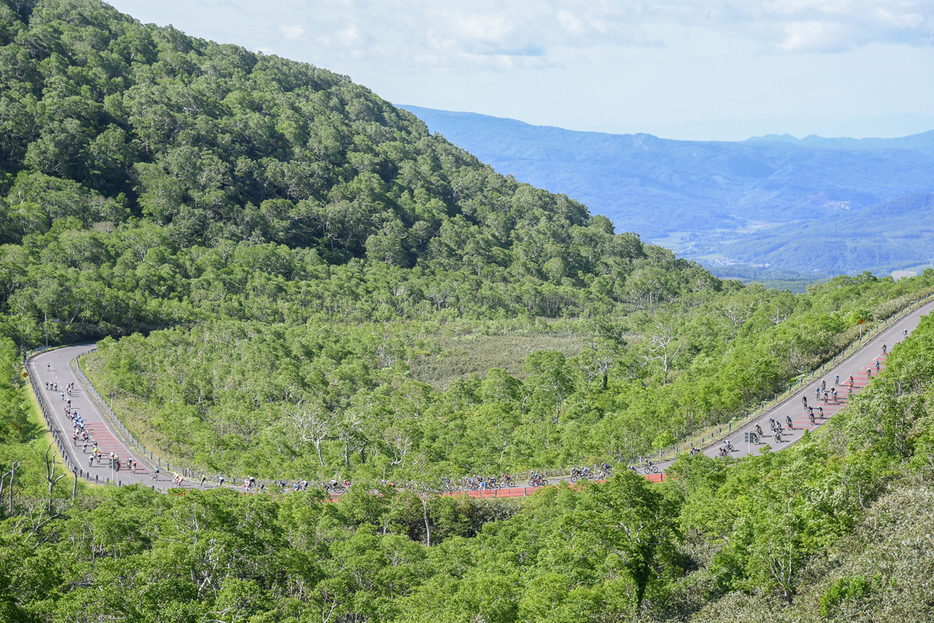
pixel 349 432
pixel 423 494
pixel 50 474
pixel 600 362
pixel 399 443
pixel 660 343
pixel 313 423
pixel 11 474
pixel 37 522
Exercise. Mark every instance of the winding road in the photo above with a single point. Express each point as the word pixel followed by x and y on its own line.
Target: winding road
pixel 55 367
pixel 854 365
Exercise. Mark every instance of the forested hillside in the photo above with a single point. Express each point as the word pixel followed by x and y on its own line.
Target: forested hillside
pixel 324 399
pixel 290 278
pixel 835 528
pixel 152 178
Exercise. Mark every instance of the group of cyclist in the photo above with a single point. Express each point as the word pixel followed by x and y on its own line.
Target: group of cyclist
pixel 475 482
pixel 335 487
pixel 479 483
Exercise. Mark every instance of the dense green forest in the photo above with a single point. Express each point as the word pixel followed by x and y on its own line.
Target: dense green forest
pixel 289 277
pixel 152 179
pixel 835 528
pixel 326 399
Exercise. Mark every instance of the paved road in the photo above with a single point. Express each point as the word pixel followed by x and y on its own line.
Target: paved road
pixel 855 365
pixel 55 367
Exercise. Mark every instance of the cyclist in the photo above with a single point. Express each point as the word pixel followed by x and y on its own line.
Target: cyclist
pixel 788 421
pixel 820 412
pixel 836 380
pixel 868 373
pixel 823 384
pixel 811 417
pixel 758 430
pixel 883 349
pixel 877 365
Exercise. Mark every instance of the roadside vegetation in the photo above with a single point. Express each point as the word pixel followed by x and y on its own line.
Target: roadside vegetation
pixel 835 528
pixel 287 277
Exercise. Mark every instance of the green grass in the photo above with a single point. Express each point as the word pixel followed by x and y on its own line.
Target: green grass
pixel 460 356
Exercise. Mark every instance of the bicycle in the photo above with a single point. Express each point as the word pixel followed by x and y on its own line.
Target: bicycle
pixel 650 469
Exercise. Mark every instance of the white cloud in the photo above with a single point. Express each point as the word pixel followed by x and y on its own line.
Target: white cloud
pixel 598 64
pixel 292 32
pixel 836 25
pixel 816 36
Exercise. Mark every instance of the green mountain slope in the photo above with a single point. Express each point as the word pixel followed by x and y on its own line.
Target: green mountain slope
pixel 156 176
pixel 306 284
pixel 216 143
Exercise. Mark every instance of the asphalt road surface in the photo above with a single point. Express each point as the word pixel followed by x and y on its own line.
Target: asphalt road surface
pixel 855 365
pixel 54 367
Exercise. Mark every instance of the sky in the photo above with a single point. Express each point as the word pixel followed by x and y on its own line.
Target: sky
pixel 684 69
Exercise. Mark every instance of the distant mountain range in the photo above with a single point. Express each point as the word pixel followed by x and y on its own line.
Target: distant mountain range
pixel 811 205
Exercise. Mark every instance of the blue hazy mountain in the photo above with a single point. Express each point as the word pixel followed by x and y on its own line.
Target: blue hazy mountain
pixel 826 205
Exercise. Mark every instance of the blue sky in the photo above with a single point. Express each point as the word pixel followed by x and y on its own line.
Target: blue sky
pixel 679 69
